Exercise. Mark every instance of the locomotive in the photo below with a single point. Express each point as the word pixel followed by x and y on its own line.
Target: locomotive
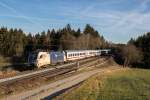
pixel 42 58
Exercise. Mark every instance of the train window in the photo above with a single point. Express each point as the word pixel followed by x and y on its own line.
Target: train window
pixel 41 56
pixel 69 55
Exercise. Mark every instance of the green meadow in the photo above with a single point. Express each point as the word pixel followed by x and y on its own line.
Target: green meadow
pixel 130 84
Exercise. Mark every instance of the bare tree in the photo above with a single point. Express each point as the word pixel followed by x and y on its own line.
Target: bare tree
pixel 131 54
pixel 68 41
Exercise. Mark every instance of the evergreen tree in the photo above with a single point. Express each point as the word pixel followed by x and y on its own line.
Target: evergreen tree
pixel 90 30
pixel 14 42
pixel 143 42
pixel 77 33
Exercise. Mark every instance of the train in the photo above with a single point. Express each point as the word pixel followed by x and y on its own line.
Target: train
pixel 42 58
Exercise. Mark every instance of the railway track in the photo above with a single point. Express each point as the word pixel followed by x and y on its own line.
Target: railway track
pixel 10 85
pixel 48 91
pixel 56 70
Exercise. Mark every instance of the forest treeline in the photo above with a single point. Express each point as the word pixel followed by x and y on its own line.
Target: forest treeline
pixel 136 53
pixel 14 42
pixel 143 43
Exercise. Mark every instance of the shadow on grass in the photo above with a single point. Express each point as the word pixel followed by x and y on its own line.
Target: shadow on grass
pixel 18 64
pixel 18 67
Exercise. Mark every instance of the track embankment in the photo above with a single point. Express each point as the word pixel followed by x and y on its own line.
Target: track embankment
pixel 53 89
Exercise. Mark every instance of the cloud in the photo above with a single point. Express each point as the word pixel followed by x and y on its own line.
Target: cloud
pixel 132 17
pixel 106 15
pixel 7 7
pixel 18 14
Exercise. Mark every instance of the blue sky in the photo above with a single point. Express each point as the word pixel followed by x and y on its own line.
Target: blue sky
pixel 116 20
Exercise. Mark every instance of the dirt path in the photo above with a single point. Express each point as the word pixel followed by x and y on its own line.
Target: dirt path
pixel 50 89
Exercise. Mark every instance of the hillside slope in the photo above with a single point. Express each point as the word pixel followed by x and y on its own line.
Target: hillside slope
pixel 132 84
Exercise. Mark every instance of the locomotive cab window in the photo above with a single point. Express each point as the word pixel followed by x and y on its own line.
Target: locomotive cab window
pixel 42 56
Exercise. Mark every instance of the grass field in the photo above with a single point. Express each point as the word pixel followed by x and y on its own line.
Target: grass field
pixel 4 62
pixel 131 84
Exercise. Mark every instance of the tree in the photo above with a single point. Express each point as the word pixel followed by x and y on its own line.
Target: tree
pixel 14 42
pixel 90 30
pixel 131 55
pixel 55 40
pixel 67 42
pixel 49 37
pixel 131 41
pixel 77 33
pixel 143 42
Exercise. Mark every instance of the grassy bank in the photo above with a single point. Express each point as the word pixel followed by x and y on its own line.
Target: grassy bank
pixel 131 84
pixel 4 61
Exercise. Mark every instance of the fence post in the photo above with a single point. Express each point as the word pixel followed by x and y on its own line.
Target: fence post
pixel 78 65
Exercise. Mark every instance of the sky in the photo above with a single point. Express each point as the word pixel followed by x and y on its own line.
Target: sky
pixel 116 20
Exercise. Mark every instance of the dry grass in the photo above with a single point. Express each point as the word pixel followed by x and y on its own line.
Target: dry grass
pixel 131 84
pixel 4 61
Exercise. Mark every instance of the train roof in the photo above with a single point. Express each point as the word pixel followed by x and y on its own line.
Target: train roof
pixel 72 50
pixel 78 50
pixel 105 49
pixel 86 50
